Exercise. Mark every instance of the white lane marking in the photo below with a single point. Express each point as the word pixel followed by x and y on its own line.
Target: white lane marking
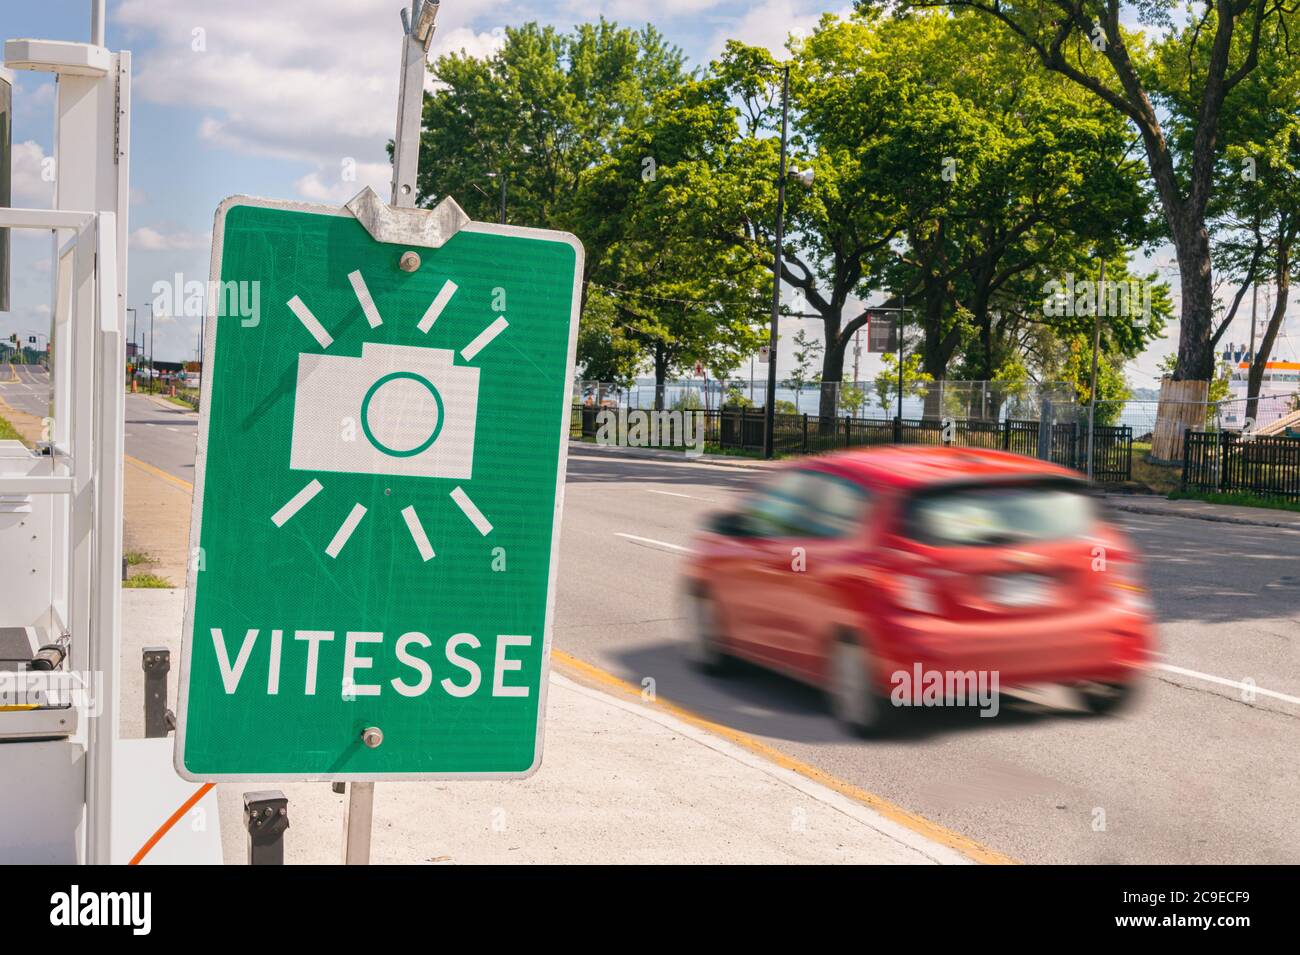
pixel 296 503
pixel 309 322
pixel 484 337
pixel 651 540
pixel 1210 678
pixel 437 305
pixel 675 494
pixel 471 511
pixel 363 296
pixel 417 533
pixel 345 529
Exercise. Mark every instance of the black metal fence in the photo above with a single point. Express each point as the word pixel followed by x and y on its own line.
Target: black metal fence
pixel 741 429
pixel 1227 461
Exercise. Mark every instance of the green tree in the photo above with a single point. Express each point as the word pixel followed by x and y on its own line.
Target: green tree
pixel 915 380
pixel 1085 42
pixel 541 111
pixel 1255 211
pixel 805 356
pixel 943 171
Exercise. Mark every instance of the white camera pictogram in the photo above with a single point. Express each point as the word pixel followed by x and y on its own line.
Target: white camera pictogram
pixel 414 412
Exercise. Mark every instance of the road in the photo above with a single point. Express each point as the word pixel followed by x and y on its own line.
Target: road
pixel 157 432
pixel 1194 774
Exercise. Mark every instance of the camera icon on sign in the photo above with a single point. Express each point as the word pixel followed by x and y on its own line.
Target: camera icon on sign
pixel 414 409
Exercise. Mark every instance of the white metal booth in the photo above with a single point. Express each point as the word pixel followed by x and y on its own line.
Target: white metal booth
pixel 61 506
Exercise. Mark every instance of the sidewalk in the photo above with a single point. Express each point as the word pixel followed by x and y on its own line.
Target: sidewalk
pixel 621 781
pixel 1120 501
pixel 1204 511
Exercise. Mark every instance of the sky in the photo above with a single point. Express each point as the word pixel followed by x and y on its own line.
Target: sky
pixel 292 99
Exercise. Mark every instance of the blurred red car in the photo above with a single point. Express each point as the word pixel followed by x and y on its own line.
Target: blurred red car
pixel 848 570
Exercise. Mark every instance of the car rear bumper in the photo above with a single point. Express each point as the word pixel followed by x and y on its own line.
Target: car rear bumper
pixel 1110 645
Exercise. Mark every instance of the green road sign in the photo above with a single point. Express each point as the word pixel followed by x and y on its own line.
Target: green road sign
pixel 379 481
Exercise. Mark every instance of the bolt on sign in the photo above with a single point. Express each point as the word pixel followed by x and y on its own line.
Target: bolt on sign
pixel 379 481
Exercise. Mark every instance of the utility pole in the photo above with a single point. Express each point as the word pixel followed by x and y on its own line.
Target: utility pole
pixel 149 305
pixel 902 319
pixel 769 413
pixel 1096 346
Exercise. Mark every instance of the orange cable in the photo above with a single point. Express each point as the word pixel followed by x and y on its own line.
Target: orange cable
pixel 171 821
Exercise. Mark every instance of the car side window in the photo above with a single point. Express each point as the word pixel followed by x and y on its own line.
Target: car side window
pixel 777 510
pixel 808 504
pixel 836 507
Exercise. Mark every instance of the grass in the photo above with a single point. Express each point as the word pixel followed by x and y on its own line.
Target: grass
pixel 1239 499
pixel 8 432
pixel 134 557
pixel 147 581
pixel 1161 478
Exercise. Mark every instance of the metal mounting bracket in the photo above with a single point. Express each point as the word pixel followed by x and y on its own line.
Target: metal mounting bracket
pixel 428 228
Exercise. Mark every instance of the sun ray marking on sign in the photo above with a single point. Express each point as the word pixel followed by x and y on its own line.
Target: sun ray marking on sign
pixel 345 529
pixel 417 533
pixel 323 338
pixel 363 296
pixel 437 305
pixel 295 503
pixel 471 511
pixel 484 337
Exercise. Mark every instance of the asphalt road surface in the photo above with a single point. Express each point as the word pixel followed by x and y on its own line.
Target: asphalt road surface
pixel 1193 774
pixel 157 432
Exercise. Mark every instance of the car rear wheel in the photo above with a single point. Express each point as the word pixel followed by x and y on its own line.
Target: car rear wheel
pixel 1103 699
pixel 853 698
pixel 706 651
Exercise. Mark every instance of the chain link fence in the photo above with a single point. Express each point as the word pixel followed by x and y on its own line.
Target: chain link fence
pixel 878 398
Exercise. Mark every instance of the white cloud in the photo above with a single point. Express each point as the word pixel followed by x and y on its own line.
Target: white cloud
pixel 769 24
pixel 145 239
pixel 632 12
pixel 308 81
pixel 33 171
pixel 339 185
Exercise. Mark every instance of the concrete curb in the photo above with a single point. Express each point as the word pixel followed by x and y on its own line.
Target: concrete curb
pixel 652 454
pixel 1293 525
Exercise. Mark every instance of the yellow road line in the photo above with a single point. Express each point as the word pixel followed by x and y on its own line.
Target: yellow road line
pixel 918 824
pixel 160 473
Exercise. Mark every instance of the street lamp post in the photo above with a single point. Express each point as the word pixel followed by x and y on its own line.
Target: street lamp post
pixel 769 413
pixel 149 305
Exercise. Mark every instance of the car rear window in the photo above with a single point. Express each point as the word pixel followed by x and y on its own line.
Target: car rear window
pixel 990 515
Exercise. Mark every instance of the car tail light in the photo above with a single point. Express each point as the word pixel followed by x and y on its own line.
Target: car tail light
pixel 916 594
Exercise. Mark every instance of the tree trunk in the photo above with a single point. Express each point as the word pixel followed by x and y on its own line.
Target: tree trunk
pixel 1260 358
pixel 933 358
pixel 832 380
pixel 1195 350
